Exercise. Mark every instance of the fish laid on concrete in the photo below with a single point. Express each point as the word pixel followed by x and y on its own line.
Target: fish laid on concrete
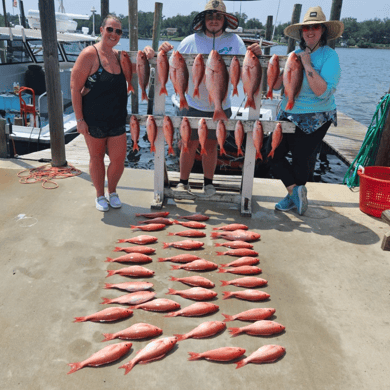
pixel 183 258
pixel 162 71
pixel 149 227
pixel 243 270
pixel 237 235
pixel 185 133
pixel 277 137
pixel 107 315
pixel 195 217
pixel 245 260
pixel 134 298
pixel 221 137
pixel 217 82
pixel 189 233
pixel 106 355
pixel 142 239
pixel 260 313
pixel 236 244
pixel 273 72
pixel 258 137
pixel 206 329
pixel 191 224
pixel 292 79
pixel 196 281
pixel 143 72
pixel 235 74
pixel 239 252
pixel 178 73
pixel 231 227
pixel 248 281
pixel 198 71
pixel 248 295
pixel 197 265
pixel 239 134
pixel 202 134
pixel 151 131
pixel 168 131
pixel 155 350
pixel 185 244
pixel 137 331
pixel 127 69
pixel 131 258
pixel 195 293
pixel 153 215
pixel 158 305
pixel 224 354
pixel 251 78
pixel 146 250
pixel 259 328
pixel 165 221
pixel 130 286
pixel 134 131
pixel 136 271
pixel 195 310
pixel 265 354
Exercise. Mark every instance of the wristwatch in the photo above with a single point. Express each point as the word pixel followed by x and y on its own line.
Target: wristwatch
pixel 80 120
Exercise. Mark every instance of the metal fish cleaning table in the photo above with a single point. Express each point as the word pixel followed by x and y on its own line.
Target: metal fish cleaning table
pixel 237 194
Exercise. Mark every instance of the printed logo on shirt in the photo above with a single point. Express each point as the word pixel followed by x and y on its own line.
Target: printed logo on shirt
pixel 225 50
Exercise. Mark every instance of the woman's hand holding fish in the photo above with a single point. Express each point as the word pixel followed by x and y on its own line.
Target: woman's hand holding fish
pixel 255 49
pixel 166 46
pixel 149 52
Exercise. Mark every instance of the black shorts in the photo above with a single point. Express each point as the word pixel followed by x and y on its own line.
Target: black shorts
pixel 104 132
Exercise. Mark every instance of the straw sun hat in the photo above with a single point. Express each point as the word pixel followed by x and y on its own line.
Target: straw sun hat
pixel 216 6
pixel 315 16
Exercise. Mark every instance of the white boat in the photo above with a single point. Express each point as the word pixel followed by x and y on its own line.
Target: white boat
pixel 22 64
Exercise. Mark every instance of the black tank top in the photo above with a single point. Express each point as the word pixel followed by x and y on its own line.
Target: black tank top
pixel 105 105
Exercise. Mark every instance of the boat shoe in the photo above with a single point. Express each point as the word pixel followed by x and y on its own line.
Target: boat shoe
pixel 114 200
pixel 299 197
pixel 183 187
pixel 208 191
pixel 285 204
pixel 101 203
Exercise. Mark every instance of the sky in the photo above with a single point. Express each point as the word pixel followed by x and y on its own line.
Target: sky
pixel 281 10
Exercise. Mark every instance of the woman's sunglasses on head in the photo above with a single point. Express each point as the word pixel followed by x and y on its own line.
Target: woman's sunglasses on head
pixel 118 31
pixel 314 27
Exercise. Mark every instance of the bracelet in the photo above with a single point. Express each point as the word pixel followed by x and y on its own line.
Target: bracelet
pixel 80 120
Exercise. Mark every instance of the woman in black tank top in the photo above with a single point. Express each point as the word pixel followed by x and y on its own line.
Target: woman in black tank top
pixel 99 101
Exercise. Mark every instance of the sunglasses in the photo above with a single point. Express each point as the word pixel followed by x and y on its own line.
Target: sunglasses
pixel 314 27
pixel 118 31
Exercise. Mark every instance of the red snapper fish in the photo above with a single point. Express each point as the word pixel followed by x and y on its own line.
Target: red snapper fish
pixel 162 71
pixel 234 74
pixel 168 131
pixel 246 260
pixel 195 293
pixel 239 134
pixel 239 252
pixel 257 314
pixel 184 258
pixel 134 131
pixel 206 329
pixel 129 286
pixel 243 270
pixel 258 137
pixel 195 217
pixel 224 354
pixel 248 295
pixel 195 310
pixel 185 133
pixel 265 354
pixel 178 73
pixel 151 227
pixel 198 71
pixel 217 81
pixel 191 224
pixel 189 233
pixel 251 78
pixel 248 282
pixel 158 305
pixel 134 271
pixel 231 227
pixel 221 137
pixel 146 250
pixel 165 221
pixel 127 68
pixel 185 244
pixel 155 350
pixel 140 240
pixel 135 332
pixel 131 258
pixel 107 315
pixel 143 72
pixel 273 72
pixel 277 137
pixel 153 215
pixel 259 328
pixel 106 355
pixel 197 265
pixel 237 235
pixel 236 244
pixel 292 79
pixel 196 281
pixel 134 298
pixel 151 130
pixel 202 134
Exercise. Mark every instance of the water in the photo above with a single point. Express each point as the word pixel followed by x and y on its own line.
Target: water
pixel 364 80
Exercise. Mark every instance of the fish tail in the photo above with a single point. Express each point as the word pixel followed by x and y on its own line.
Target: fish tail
pixel 171 234
pixel 218 244
pixel 152 148
pixel 185 149
pixel 219 115
pixel 194 356
pixel 109 260
pixel 270 94
pixel 226 294
pixel 234 331
pixel 144 95
pixel 235 90
pixel 250 103
pixel 258 155
pixel 290 105
pixel 138 214
pixel 161 259
pixel 183 103
pixel 133 227
pixel 129 88
pixel 215 235
pixel 128 366
pixel 180 337
pixel 240 152
pixel 135 146
pixel 120 240
pixel 171 291
pixel 166 245
pixel 271 153
pixel 172 314
pixel 203 152
pixel 224 282
pixel 75 367
pixel 241 363
pixel 118 249
pixel 220 271
pixel 105 301
pixel 108 285
pixel 220 253
pixel 176 221
pixel 196 92
pixel 173 279
pixel 79 319
pixel 223 265
pixel 222 151
pixel 110 273
pixel 108 336
pixel 171 151
pixel 163 90
pixel 175 267
pixel 228 318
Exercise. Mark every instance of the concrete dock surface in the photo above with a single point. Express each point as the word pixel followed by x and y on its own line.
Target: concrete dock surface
pixel 328 280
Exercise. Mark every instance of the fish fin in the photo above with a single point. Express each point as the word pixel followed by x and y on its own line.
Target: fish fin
pixel 133 227
pixel 172 279
pixel 110 273
pixel 108 285
pixel 180 337
pixel 166 245
pixel 215 235
pixel 135 146
pixel 153 148
pixel 241 363
pixel 250 103
pixel 109 260
pixel 118 249
pixel 171 234
pixel 234 331
pixel 161 259
pixel 105 301
pixel 144 95
pixel 217 244
pixel 128 367
pixel 270 94
pixel 79 319
pixel 130 88
pixel 220 271
pixel 108 336
pixel 171 291
pixel 185 149
pixel 235 91
pixel 216 229
pixel 224 282
pixel 203 152
pixel 220 253
pixel 223 265
pixel 240 152
pixel 172 314
pixel 228 318
pixel 176 221
pixel 120 240
pixel 222 151
pixel 227 294
pixel 171 151
pixel 75 367
pixel 196 92
pixel 163 90
pixel 175 267
pixel 194 356
pixel 219 115
pixel 290 105
pixel 183 103
pixel 271 154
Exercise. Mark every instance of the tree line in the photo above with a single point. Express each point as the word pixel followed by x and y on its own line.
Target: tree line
pixel 369 33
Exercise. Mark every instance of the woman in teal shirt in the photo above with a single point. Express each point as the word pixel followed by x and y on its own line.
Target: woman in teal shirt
pixel 314 109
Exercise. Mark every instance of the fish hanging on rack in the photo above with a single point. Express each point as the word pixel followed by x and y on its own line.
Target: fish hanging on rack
pixel 162 71
pixel 143 72
pixel 251 78
pixel 178 74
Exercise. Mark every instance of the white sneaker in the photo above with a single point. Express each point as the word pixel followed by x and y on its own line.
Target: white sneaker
pixel 183 187
pixel 208 191
pixel 101 203
pixel 114 200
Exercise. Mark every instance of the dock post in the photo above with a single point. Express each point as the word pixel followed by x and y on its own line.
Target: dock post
pixel 383 155
pixel 296 15
pixel 104 8
pixel 3 140
pixel 335 13
pixel 267 52
pixel 133 44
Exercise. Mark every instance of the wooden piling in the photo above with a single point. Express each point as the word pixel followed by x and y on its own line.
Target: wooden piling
pixel 133 44
pixel 104 8
pixel 267 52
pixel 296 15
pixel 3 139
pixel 52 78
pixel 335 14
